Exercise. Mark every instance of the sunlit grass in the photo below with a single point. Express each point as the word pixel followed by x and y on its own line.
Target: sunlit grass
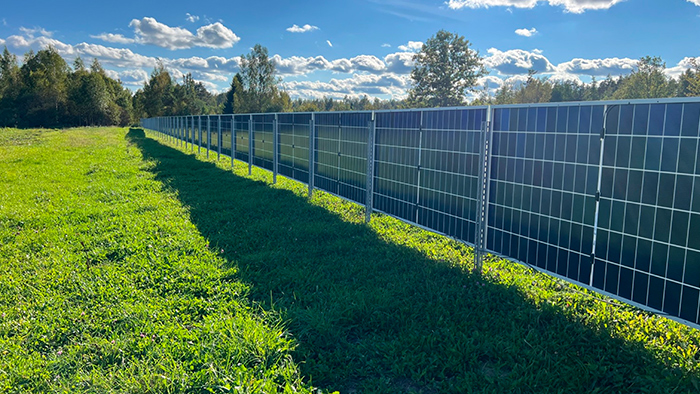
pixel 107 286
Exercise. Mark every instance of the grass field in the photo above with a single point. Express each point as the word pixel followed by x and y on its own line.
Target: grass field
pixel 129 265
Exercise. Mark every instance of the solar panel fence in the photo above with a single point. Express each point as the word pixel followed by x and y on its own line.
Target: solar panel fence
pixel 602 194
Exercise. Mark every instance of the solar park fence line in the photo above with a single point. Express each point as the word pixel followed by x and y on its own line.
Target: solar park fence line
pixel 602 194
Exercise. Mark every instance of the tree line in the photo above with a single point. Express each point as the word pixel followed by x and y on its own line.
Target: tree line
pixel 45 92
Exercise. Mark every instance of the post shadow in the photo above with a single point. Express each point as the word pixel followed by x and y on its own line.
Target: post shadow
pixel 373 316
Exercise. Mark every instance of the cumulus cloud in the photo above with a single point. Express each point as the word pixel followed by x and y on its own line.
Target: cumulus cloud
pixel 517 61
pixel 2 42
pixel 115 38
pixel 573 6
pixel 399 62
pixel 356 86
pixel 329 43
pixel 598 67
pixel 302 29
pixel 133 77
pixel 191 18
pixel 150 31
pixel 412 46
pixel 696 2
pixel 526 32
pixel 35 31
pixel 386 45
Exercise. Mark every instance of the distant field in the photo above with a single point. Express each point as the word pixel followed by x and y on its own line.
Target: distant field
pixel 129 265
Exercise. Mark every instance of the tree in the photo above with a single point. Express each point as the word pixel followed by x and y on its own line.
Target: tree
pixel 233 95
pixel 157 99
pixel 259 80
pixel 689 81
pixel 445 70
pixel 535 90
pixel 9 88
pixel 647 81
pixel 43 95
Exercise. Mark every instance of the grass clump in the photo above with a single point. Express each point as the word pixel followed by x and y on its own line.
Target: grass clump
pixel 107 286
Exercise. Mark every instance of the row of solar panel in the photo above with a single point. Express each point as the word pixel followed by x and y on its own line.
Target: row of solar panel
pixel 545 166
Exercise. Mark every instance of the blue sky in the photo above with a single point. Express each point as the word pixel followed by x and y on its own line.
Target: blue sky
pixel 337 48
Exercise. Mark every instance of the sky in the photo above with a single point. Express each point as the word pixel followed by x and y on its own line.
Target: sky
pixel 337 48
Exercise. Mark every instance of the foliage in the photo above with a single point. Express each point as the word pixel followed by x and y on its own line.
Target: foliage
pixel 647 81
pixel 259 80
pixel 445 70
pixel 45 92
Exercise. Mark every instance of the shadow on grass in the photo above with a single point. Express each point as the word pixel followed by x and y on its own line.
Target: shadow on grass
pixel 372 316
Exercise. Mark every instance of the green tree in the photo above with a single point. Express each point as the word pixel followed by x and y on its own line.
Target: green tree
pixel 43 96
pixel 689 81
pixel 233 95
pixel 535 90
pixel 445 70
pixel 157 98
pixel 647 81
pixel 9 88
pixel 259 77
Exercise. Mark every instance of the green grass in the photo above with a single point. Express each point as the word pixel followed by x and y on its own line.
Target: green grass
pixel 107 286
pixel 192 276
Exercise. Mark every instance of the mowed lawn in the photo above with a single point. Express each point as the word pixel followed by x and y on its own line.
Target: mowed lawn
pixel 131 265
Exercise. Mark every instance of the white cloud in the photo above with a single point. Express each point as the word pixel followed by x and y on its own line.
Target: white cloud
pixel 598 67
pixel 680 68
pixel 191 18
pixel 526 32
pixel 367 63
pixel 2 42
pixel 356 86
pixel 517 61
pixel 399 62
pixel 150 31
pixel 4 22
pixel 133 76
pixel 33 32
pixel 573 6
pixel 412 46
pixel 302 29
pixel 116 38
pixel 216 36
pixel 329 43
pixel 696 2
pixel 386 45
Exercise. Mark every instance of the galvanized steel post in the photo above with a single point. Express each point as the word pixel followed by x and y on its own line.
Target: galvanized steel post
pixel 312 148
pixel 371 135
pixel 275 141
pixel 250 145
pixel 208 135
pixel 219 138
pixel 606 108
pixel 484 187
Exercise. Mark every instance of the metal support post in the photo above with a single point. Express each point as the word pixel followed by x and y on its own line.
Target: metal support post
pixel 598 188
pixel 199 135
pixel 312 148
pixel 250 145
pixel 275 142
pixel 484 187
pixel 369 199
pixel 208 135
pixel 233 140
pixel 219 139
